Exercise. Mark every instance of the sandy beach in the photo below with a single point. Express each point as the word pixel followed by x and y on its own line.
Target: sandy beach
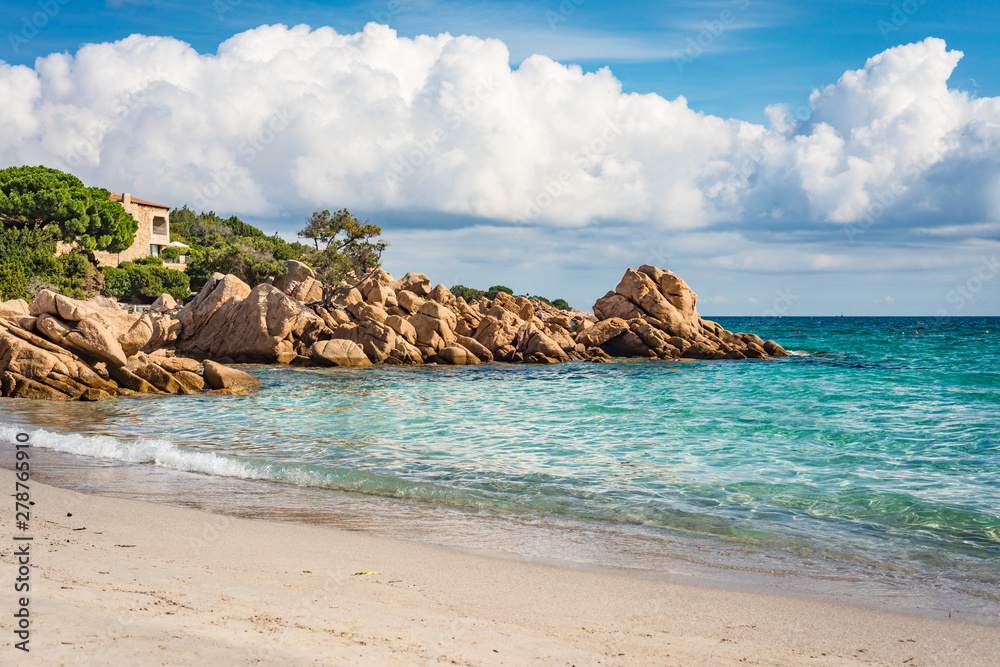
pixel 125 582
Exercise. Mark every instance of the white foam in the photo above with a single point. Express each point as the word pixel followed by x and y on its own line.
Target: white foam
pixel 158 452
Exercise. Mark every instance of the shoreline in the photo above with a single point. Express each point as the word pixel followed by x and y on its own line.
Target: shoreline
pixel 214 587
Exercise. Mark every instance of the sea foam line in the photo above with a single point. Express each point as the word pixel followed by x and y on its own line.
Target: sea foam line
pixel 158 452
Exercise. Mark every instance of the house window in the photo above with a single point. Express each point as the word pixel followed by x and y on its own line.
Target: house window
pixel 154 250
pixel 160 226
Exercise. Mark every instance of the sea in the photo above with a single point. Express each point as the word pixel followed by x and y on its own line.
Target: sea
pixel 864 468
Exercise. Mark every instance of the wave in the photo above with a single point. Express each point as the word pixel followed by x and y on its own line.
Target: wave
pixel 158 452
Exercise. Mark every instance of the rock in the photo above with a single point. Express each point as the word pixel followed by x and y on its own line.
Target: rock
pixel 138 336
pixel 192 382
pixel 376 340
pixel 334 317
pixel 309 290
pixel 380 294
pixel 52 327
pixel 475 347
pixel 441 294
pixel 258 326
pixel 418 283
pixel 218 376
pixel 402 328
pixel 405 353
pixel 440 312
pixel 175 364
pixel 536 347
pixel 616 306
pixel 456 355
pixel 432 332
pixel 497 330
pixel 97 342
pixel 94 395
pixel 22 387
pixel 296 272
pixel 409 301
pixel 166 330
pixel 373 312
pixel 129 380
pixel 19 357
pixel 158 377
pixel 45 302
pixel 71 309
pixel 602 332
pixel 163 303
pixel 702 350
pixel 774 349
pixel 345 297
pixel 14 308
pixel 339 353
pixel 627 344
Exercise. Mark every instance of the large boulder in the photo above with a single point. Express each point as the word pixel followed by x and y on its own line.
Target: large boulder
pixel 339 353
pixel 456 355
pixel 138 336
pixel 602 332
pixel 418 283
pixel 259 325
pixel 163 303
pixel 295 272
pixel 95 341
pixel 219 377
pixel 497 329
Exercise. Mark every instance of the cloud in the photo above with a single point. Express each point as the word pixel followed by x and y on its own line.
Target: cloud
pixel 283 120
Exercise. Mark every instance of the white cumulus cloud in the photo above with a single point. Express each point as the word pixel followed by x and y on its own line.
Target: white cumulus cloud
pixel 286 119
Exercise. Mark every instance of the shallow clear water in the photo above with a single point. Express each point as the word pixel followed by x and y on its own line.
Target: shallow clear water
pixel 873 454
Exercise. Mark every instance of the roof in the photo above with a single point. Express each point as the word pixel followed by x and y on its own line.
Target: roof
pixel 117 196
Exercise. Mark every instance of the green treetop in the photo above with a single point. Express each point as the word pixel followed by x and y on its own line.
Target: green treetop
pixel 59 203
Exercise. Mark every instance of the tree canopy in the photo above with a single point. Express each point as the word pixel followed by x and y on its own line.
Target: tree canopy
pixel 60 204
pixel 348 244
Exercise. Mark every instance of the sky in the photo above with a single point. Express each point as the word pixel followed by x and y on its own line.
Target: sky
pixel 785 158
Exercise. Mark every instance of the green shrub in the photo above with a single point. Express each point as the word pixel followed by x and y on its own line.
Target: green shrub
pixel 492 292
pixel 143 280
pixel 13 281
pixel 170 253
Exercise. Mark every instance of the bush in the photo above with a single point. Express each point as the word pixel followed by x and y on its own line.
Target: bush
pixel 468 293
pixel 13 281
pixel 492 292
pixel 170 253
pixel 145 280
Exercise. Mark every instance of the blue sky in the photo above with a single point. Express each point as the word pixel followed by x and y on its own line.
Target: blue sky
pixel 767 52
pixel 780 244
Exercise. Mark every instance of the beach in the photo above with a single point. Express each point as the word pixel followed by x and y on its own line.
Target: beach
pixel 127 582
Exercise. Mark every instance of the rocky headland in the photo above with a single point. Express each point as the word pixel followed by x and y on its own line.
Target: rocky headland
pixel 61 348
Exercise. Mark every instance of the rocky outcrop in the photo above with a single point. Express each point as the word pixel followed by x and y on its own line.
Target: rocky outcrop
pixel 228 319
pixel 63 348
pixel 53 356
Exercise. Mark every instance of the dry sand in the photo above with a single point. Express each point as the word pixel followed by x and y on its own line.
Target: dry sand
pixel 131 583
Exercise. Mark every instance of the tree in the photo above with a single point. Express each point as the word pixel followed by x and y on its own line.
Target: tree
pixel 60 204
pixel 492 292
pixel 348 245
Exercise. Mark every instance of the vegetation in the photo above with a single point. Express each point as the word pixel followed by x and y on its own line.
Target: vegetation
pixel 145 277
pixel 229 246
pixel 349 245
pixel 28 265
pixel 46 199
pixel 471 294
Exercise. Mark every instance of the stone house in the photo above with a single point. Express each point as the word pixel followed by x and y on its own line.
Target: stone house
pixel 151 238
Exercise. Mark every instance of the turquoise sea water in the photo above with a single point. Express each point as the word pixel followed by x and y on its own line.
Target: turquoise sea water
pixel 871 456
